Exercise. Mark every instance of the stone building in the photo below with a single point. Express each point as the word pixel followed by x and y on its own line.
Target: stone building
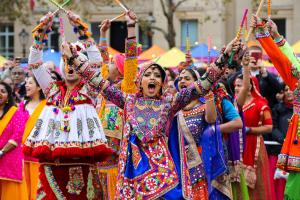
pixel 15 42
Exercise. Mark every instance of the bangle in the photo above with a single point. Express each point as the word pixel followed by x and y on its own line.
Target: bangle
pixel 131 25
pixel 131 38
pixel 102 39
pixel 277 40
pixel 209 97
pixel 1 153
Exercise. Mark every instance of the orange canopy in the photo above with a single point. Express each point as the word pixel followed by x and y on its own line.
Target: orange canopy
pixel 112 51
pixel 151 53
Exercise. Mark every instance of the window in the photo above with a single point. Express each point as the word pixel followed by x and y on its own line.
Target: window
pixel 192 27
pixel 281 24
pixel 7 40
pixel 95 31
pixel 145 38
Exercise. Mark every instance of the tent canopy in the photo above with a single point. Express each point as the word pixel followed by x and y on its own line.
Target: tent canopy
pixel 296 47
pixel 2 61
pixel 151 53
pixel 201 51
pixel 171 58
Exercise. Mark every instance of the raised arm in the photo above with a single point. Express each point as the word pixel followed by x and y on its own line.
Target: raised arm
pixel 35 59
pixel 84 36
pixel 131 63
pixel 210 108
pixel 241 98
pixel 105 25
pixel 280 61
pixel 283 45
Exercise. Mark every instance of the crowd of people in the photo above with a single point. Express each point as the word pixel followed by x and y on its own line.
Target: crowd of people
pixel 109 128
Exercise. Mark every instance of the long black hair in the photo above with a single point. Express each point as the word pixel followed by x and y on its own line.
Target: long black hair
pixel 41 94
pixel 10 99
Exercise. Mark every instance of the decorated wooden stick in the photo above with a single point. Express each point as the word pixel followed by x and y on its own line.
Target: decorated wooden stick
pixel 238 35
pixel 208 48
pixel 58 5
pixel 269 8
pixel 122 5
pixel 40 25
pixel 62 29
pixel 257 13
pixel 115 18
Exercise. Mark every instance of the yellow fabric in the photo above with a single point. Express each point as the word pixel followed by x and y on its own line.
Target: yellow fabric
pixel 10 190
pixel 130 72
pixel 151 53
pixel 171 58
pixel 6 119
pixel 32 120
pixel 296 47
pixel 112 176
pixel 104 74
pixel 2 61
pixel 31 170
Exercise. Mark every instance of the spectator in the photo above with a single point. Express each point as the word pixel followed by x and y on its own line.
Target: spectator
pixel 266 80
pixel 18 77
pixel 281 114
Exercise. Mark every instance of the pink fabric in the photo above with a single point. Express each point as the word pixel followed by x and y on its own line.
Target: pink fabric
pixel 277 184
pixel 11 162
pixel 119 62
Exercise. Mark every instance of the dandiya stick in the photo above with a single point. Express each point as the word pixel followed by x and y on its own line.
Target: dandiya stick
pixel 238 35
pixel 115 18
pixel 208 47
pixel 269 8
pixel 257 13
pixel 122 5
pixel 40 25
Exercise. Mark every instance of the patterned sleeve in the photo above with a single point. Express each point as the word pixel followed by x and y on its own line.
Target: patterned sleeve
pixel 288 52
pixel 104 52
pixel 200 88
pixel 280 61
pixel 39 70
pixel 94 54
pixel 130 67
pixel 114 95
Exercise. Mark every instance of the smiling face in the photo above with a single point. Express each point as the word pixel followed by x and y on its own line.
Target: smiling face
pixel 152 81
pixel 185 79
pixel 288 95
pixel 31 87
pixel 3 95
pixel 238 84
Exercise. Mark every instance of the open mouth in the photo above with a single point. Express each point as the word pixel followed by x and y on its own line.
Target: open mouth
pixel 183 87
pixel 71 71
pixel 151 87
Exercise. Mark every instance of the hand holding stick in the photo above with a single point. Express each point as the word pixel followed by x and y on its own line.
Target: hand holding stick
pixel 257 13
pixel 114 19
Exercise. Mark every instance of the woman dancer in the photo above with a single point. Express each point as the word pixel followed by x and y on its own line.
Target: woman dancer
pixel 288 66
pixel 146 167
pixel 12 123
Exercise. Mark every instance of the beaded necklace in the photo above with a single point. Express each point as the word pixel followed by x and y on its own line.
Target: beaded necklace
pixel 67 105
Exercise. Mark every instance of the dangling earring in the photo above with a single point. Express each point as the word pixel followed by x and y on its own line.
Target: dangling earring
pixel 6 102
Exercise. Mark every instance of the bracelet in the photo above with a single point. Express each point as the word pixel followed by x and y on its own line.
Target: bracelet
pixel 1 153
pixel 131 38
pixel 102 39
pixel 277 40
pixel 209 97
pixel 131 25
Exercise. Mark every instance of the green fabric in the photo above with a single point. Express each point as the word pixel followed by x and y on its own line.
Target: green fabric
pixel 288 51
pixel 240 188
pixel 292 187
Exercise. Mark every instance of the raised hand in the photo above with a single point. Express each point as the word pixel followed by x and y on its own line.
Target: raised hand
pixel 105 25
pixel 47 19
pixel 66 49
pixel 131 17
pixel 273 29
pixel 73 18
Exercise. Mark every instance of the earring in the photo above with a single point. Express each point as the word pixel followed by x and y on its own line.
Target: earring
pixel 6 102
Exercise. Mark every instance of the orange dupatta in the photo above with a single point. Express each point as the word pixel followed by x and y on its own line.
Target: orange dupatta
pixel 32 119
pixel 6 119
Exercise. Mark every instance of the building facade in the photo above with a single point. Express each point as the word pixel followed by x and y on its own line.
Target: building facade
pixel 203 18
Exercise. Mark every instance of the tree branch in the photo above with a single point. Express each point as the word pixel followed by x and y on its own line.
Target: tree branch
pixel 164 8
pixel 178 4
pixel 160 30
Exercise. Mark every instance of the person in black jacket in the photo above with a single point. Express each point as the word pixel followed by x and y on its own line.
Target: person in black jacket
pixel 281 115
